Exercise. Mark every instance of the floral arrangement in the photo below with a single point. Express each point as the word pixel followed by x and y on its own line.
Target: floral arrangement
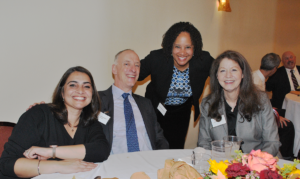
pixel 255 165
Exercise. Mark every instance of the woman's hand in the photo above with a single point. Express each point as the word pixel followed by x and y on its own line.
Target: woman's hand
pixel 74 166
pixel 42 153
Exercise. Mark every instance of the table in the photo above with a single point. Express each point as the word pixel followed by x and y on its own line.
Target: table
pixel 124 165
pixel 291 104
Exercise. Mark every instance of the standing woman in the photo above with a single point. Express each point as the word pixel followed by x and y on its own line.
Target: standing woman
pixel 178 74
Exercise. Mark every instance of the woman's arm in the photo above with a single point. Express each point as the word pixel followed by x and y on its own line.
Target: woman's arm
pixel 145 69
pixel 270 136
pixel 27 168
pixel 204 137
pixel 61 152
pixel 96 148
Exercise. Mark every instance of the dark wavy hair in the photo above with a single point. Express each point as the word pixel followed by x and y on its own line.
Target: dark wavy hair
pixel 89 113
pixel 249 97
pixel 170 36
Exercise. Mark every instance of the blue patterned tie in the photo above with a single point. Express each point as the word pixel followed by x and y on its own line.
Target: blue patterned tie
pixel 131 134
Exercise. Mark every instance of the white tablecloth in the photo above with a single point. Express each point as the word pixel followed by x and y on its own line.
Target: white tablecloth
pixel 292 105
pixel 124 165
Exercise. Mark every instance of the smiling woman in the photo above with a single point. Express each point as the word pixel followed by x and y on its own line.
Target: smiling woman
pixel 235 107
pixel 178 74
pixel 66 129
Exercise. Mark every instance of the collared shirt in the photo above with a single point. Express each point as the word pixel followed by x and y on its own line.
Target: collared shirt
pixel 180 89
pixel 119 144
pixel 259 80
pixel 296 73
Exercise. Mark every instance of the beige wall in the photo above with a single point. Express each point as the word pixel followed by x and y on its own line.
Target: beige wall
pixel 39 40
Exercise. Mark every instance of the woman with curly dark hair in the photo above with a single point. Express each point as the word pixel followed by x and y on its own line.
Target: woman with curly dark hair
pixel 235 107
pixel 178 74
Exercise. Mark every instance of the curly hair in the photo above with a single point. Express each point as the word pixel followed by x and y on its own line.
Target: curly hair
pixel 170 36
pixel 249 97
pixel 89 113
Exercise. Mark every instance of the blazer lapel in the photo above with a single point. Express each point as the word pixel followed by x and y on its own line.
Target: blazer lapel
pixel 223 113
pixel 108 105
pixel 147 121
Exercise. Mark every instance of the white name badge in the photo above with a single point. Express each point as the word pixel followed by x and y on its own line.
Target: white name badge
pixel 215 123
pixel 161 109
pixel 103 118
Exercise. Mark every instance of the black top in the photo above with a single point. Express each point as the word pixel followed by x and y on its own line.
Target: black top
pixel 231 118
pixel 39 127
pixel 160 68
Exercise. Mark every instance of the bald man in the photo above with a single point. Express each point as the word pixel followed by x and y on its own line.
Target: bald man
pixel 285 80
pixel 147 133
pixel 281 82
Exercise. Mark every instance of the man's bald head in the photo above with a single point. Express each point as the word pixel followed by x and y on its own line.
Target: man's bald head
pixel 288 60
pixel 126 69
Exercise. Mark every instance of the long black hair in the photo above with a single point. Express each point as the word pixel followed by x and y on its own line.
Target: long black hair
pixel 88 114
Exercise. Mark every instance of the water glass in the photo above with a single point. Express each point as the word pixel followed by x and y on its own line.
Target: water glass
pixel 236 143
pixel 200 162
pixel 220 149
pixel 199 150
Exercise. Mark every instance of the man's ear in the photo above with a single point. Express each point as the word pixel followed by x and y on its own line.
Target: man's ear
pixel 114 69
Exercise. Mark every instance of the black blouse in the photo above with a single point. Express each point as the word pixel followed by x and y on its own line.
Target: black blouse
pixel 39 127
pixel 231 118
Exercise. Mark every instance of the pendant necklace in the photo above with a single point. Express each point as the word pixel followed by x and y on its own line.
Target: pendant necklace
pixel 72 127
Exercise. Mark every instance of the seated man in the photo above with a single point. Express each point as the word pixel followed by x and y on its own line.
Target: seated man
pixel 133 125
pixel 284 81
pixel 269 65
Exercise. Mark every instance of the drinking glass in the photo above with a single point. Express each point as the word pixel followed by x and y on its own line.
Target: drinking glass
pixel 200 162
pixel 236 143
pixel 220 149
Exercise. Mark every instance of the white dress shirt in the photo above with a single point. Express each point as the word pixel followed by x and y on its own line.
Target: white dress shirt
pixel 119 144
pixel 259 80
pixel 296 73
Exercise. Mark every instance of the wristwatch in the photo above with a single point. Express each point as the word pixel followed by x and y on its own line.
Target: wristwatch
pixel 53 151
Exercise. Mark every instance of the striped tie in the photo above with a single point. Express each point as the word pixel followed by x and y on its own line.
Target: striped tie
pixel 295 82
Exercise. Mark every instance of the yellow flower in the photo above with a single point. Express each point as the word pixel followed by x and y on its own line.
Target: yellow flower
pixel 297 171
pixel 215 166
pixel 289 167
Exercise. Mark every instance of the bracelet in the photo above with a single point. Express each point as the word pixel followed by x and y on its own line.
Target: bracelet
pixel 38 168
pixel 53 151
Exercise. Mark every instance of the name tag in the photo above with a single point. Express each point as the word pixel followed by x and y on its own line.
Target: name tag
pixel 161 109
pixel 103 118
pixel 215 123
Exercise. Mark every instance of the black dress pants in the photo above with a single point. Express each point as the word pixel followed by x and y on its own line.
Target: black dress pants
pixel 286 137
pixel 175 123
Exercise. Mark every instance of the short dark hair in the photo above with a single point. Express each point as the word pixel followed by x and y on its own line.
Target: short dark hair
pixel 249 97
pixel 89 113
pixel 170 36
pixel 270 61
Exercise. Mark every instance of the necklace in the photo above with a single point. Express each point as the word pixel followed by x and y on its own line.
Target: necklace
pixel 72 127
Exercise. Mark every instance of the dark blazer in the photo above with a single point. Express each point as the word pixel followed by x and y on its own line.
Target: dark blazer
pixel 279 84
pixel 155 132
pixel 161 70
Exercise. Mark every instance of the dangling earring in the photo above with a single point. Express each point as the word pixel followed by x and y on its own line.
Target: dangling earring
pixel 63 99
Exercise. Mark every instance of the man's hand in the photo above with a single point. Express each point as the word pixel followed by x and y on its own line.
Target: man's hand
pixel 283 121
pixel 42 102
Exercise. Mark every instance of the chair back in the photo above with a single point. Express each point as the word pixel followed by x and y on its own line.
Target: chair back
pixel 5 132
